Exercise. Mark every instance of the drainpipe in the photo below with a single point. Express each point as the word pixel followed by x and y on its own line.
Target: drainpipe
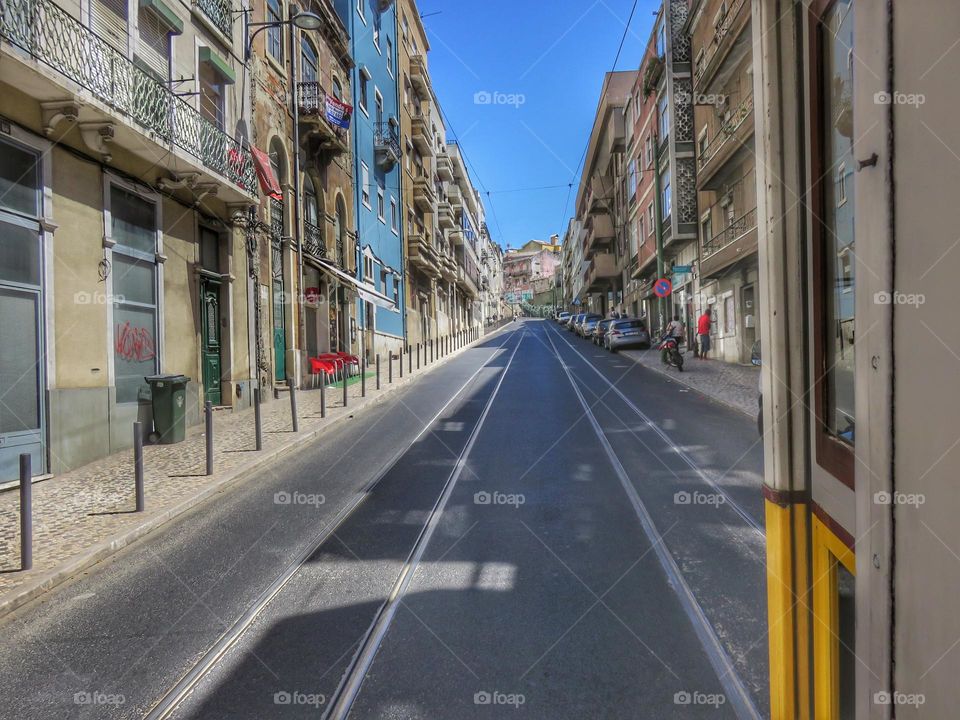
pixel 295 205
pixel 658 218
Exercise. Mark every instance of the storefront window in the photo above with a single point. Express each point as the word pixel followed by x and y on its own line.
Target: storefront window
pixel 134 276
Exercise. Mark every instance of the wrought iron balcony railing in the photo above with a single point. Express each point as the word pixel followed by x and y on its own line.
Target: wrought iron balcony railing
pixel 727 129
pixel 341 253
pixel 56 38
pixel 313 242
pixel 387 140
pixel 730 234
pixel 220 13
pixel 721 31
pixel 312 102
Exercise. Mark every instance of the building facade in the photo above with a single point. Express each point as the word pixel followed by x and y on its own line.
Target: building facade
pixel 303 241
pixel 726 173
pixel 126 182
pixel 372 28
pixel 600 198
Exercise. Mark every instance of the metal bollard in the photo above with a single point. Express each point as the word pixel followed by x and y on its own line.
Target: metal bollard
pixel 390 367
pixel 208 417
pixel 138 464
pixel 401 361
pixel 431 349
pixel 346 397
pixel 26 513
pixel 409 360
pixel 293 407
pixel 418 356
pixel 363 376
pixel 378 371
pixel 323 395
pixel 257 418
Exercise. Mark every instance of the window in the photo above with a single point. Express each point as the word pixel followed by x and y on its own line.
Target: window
pixel 133 227
pixel 367 268
pixel 663 108
pixel 640 230
pixel 834 243
pixel 706 229
pixel 667 198
pixel 364 82
pixel 390 56
pixel 632 184
pixel 379 108
pixel 729 316
pixel 394 220
pixel 648 150
pixel 380 206
pixel 309 63
pixel 361 10
pixel 376 35
pixel 337 89
pixel 662 40
pixel 633 239
pixel 154 46
pixel 365 184
pixel 275 32
pixel 211 94
pixel 702 144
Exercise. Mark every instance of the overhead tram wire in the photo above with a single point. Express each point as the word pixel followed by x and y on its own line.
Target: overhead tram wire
pixel 623 38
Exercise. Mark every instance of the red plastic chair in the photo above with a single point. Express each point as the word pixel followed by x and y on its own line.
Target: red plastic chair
pixel 319 367
pixel 349 359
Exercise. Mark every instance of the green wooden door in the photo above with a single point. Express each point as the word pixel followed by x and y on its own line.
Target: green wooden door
pixel 210 324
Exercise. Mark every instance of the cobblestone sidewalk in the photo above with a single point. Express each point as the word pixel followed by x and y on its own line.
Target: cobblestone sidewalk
pixel 85 515
pixel 733 385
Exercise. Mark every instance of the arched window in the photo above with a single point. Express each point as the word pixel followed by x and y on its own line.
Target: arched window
pixel 311 212
pixel 340 232
pixel 309 64
pixel 337 89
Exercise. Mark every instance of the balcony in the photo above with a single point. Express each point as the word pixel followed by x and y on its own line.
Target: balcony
pixel 726 48
pixel 600 234
pixel 386 144
pixel 444 167
pixel 312 109
pixel 419 77
pixel 736 241
pixel 420 134
pixel 448 267
pixel 313 242
pixel 219 13
pixel 602 269
pixel 467 283
pixel 422 254
pixel 456 237
pixel 152 118
pixel 732 135
pixel 423 195
pixel 445 216
pixel 456 199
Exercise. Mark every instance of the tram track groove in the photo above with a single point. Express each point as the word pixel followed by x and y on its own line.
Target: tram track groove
pixel 674 448
pixel 353 678
pixel 733 685
pixel 172 699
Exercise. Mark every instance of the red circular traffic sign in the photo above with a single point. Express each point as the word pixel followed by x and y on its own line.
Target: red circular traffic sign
pixel 662 287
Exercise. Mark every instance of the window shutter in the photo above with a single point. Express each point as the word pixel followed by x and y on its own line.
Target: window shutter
pixel 108 19
pixel 154 46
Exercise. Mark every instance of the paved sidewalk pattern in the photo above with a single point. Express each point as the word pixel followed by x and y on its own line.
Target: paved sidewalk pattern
pixel 91 509
pixel 733 385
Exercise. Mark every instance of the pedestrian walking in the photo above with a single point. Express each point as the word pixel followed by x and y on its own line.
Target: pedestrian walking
pixel 703 332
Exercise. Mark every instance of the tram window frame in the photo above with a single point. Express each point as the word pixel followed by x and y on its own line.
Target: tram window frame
pixel 834 697
pixel 834 455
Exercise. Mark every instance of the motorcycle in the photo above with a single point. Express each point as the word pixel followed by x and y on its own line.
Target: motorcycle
pixel 670 352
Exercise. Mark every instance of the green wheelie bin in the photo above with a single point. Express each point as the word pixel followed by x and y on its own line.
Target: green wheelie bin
pixel 169 397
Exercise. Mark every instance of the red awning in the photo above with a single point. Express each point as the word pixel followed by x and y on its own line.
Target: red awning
pixel 268 180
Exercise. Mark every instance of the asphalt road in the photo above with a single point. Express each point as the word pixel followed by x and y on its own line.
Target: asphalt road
pixel 537 528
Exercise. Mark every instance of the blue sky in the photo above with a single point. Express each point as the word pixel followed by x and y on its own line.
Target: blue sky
pixel 554 55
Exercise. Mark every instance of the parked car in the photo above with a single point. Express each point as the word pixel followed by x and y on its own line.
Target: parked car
pixel 588 323
pixel 575 322
pixel 631 332
pixel 563 317
pixel 600 330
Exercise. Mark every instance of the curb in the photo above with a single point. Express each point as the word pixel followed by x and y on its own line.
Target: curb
pixel 102 550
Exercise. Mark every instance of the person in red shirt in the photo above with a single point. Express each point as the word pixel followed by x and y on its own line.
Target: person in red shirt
pixel 703 332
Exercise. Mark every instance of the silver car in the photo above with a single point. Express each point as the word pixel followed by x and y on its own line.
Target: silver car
pixel 586 327
pixel 629 332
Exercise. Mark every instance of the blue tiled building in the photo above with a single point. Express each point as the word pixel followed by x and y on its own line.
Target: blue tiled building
pixel 376 159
